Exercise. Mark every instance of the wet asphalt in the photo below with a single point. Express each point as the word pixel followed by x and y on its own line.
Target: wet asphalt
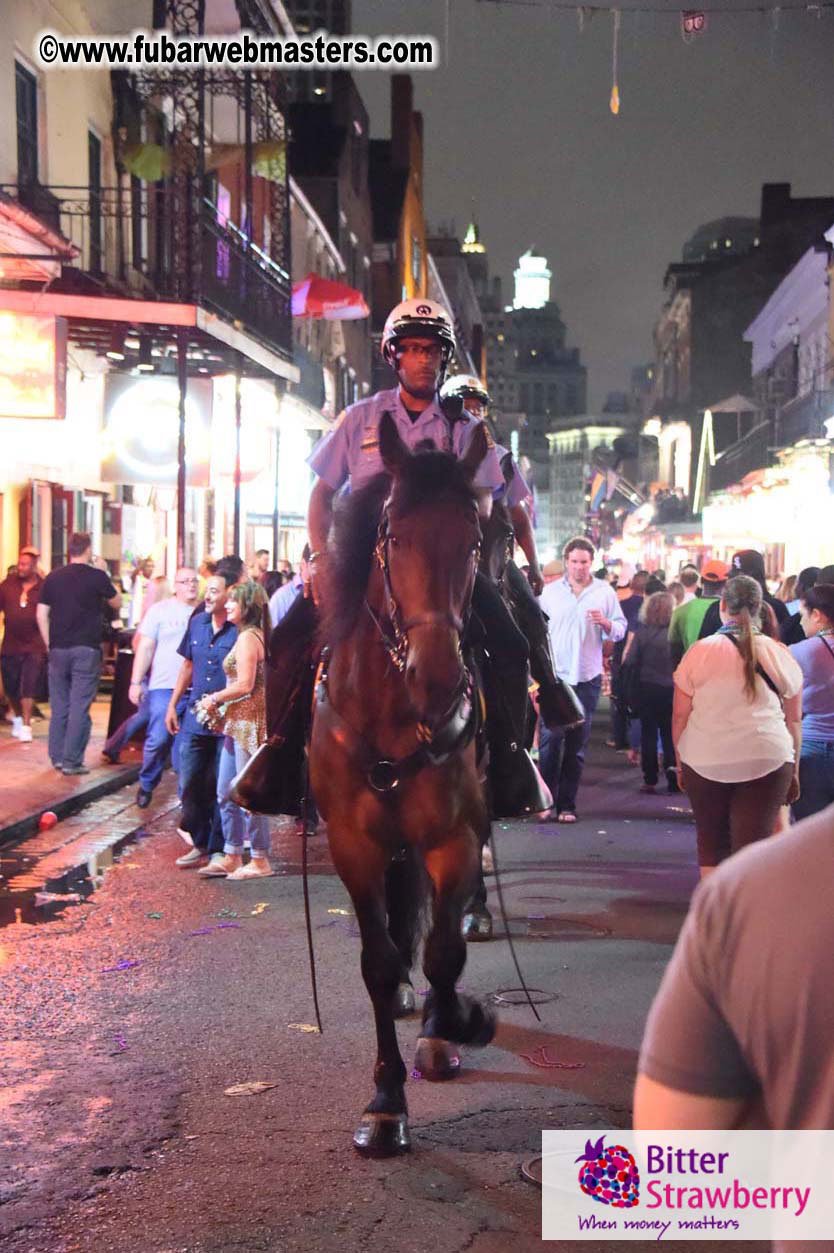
pixel 126 1015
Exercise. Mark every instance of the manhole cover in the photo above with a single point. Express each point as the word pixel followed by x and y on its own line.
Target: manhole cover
pixel 517 996
pixel 552 926
pixel 531 1170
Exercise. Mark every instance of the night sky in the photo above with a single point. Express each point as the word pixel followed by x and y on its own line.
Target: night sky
pixel 519 122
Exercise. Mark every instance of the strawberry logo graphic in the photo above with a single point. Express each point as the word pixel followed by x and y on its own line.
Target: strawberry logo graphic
pixel 609 1175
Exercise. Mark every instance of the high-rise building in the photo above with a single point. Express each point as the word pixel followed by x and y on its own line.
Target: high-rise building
pixel 533 377
pixel 307 16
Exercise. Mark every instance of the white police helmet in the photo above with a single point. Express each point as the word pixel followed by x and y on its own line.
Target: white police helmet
pixel 462 386
pixel 420 318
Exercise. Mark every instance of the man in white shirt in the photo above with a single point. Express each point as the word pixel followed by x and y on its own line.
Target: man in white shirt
pixel 155 655
pixel 583 612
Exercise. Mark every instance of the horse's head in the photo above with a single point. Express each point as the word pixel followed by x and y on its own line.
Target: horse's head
pixel 429 545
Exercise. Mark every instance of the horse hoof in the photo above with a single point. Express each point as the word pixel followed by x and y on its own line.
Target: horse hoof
pixel 477 926
pixel 382 1135
pixel 482 1024
pixel 405 1002
pixel 436 1059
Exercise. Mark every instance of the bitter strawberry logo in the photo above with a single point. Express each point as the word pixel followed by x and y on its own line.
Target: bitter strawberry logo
pixel 609 1175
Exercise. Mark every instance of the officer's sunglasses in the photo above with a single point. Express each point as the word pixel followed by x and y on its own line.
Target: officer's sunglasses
pixel 429 352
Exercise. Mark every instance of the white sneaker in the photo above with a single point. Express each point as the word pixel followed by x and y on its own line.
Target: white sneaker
pixel 17 727
pixel 194 857
pixel 184 835
pixel 25 735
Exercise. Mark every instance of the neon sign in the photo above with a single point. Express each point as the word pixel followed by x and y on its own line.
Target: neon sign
pixel 33 366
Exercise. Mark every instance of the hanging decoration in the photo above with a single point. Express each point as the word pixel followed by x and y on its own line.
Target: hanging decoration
pixel 149 162
pixel 614 102
pixel 693 22
pixel 269 158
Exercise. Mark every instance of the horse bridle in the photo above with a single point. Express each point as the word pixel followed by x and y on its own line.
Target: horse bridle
pixel 396 641
pixel 460 721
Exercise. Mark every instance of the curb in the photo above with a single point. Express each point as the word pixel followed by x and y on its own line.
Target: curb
pixel 27 825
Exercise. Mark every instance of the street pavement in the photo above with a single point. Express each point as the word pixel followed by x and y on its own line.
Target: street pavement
pixel 126 1016
pixel 30 785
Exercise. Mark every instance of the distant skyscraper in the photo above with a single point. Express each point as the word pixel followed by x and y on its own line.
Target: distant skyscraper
pixel 532 282
pixel 534 378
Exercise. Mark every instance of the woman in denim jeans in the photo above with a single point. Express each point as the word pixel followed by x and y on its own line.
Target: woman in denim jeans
pixel 815 655
pixel 241 709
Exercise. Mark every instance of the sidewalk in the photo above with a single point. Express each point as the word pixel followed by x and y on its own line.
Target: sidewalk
pixel 30 785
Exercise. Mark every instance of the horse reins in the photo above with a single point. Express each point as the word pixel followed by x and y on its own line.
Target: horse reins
pixel 396 643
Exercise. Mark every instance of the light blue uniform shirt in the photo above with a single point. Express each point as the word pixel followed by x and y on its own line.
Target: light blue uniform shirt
pixel 349 453
pixel 516 490
pixel 283 598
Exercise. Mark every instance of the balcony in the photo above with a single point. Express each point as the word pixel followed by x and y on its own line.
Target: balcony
pixel 752 452
pixel 803 417
pixel 148 241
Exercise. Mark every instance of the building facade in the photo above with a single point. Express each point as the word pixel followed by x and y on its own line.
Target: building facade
pixel 771 487
pixel 329 161
pixel 577 446
pixel 400 254
pixel 167 310
pixel 701 355
pixel 534 378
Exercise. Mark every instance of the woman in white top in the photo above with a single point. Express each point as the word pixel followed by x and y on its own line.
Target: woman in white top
pixel 736 726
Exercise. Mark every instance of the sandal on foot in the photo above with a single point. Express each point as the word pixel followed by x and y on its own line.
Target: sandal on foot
pixel 567 815
pixel 252 870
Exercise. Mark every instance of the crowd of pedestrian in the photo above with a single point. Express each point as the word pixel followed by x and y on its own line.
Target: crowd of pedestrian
pixel 196 689
pixel 726 686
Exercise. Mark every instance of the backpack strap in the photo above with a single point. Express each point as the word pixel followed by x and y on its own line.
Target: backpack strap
pixel 760 670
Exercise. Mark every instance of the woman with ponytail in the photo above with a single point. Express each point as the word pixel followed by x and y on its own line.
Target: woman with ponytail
pixel 736 725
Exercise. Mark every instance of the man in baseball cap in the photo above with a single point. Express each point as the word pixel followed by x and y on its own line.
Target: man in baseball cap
pixel 688 618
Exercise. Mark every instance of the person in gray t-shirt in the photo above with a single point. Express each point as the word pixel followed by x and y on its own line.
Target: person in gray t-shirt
pixel 742 1027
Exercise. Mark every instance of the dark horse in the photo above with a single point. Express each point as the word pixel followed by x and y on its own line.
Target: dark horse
pixel 393 751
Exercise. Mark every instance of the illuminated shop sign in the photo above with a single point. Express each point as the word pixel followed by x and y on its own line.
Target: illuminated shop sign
pixel 141 431
pixel 33 366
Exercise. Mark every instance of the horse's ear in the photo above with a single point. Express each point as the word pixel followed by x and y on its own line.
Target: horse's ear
pixel 507 467
pixel 478 448
pixel 393 451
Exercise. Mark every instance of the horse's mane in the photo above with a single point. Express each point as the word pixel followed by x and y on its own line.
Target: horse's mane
pixel 426 475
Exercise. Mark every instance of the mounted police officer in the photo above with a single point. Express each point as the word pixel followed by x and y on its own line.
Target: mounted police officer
pixel 514 492
pixel 417 342
pixel 556 706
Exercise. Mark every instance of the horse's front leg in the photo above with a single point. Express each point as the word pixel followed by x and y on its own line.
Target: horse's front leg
pixel 403 896
pixel 447 1016
pixel 383 1130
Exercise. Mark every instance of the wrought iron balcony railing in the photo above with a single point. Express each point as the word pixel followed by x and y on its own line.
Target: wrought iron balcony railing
pixel 752 452
pixel 127 235
pixel 803 417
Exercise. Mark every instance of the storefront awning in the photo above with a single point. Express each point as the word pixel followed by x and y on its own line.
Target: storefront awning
pixel 120 311
pixel 29 250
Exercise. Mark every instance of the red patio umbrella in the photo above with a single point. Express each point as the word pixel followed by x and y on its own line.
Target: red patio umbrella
pixel 317 297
